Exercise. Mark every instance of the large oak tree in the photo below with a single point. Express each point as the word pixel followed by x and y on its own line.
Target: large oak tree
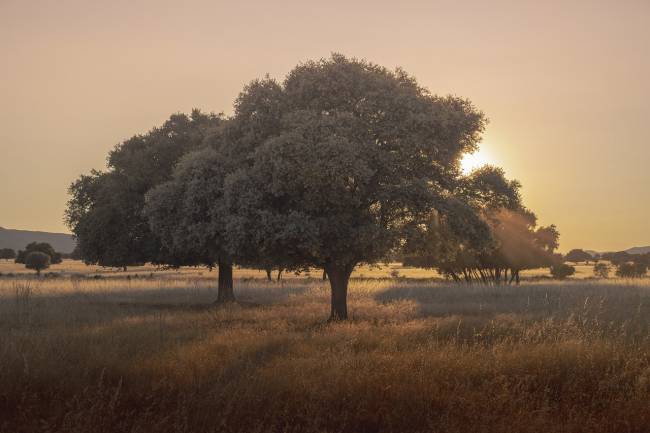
pixel 361 155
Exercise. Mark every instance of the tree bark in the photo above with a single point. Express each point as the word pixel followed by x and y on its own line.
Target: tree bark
pixel 225 291
pixel 339 276
pixel 268 274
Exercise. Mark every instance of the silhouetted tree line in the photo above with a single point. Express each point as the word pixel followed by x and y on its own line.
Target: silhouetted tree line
pixel 627 265
pixel 7 253
pixel 342 163
pixel 624 257
pixel 578 255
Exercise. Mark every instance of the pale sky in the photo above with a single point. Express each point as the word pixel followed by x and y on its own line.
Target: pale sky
pixel 566 85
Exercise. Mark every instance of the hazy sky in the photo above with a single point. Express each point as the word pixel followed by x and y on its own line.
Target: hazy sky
pixel 566 86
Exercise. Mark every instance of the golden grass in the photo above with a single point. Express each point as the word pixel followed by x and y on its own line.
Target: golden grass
pixel 151 354
pixel 383 270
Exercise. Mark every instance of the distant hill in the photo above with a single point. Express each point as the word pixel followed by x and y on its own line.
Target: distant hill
pixel 633 250
pixel 18 239
pixel 638 250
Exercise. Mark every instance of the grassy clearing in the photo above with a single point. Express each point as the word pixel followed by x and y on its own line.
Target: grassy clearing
pixel 152 355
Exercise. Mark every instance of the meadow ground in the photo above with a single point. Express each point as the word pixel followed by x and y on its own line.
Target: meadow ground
pixel 146 351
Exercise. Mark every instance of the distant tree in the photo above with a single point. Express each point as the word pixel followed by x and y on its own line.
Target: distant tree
pixel 104 215
pixel 43 247
pixel 37 261
pixel 617 258
pixel 105 211
pixel 7 253
pixel 361 156
pixel 642 258
pixel 578 255
pixel 515 242
pixel 631 270
pixel 561 271
pixel 601 270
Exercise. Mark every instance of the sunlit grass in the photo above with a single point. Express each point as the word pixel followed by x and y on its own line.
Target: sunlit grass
pixel 153 354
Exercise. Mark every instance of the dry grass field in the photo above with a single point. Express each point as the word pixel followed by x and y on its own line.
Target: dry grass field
pixel 146 351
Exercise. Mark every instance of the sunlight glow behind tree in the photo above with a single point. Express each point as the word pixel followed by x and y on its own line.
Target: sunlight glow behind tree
pixel 481 157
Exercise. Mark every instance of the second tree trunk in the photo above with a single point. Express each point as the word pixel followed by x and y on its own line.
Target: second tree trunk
pixel 225 291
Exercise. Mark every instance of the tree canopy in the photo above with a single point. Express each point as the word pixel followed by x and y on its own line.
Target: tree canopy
pixel 187 214
pixel 497 235
pixel 105 212
pixel 561 271
pixel 7 253
pixel 344 162
pixel 360 156
pixel 578 255
pixel 37 261
pixel 42 247
pixel 631 270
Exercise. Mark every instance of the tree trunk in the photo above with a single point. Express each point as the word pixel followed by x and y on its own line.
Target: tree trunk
pixel 512 276
pixel 517 277
pixel 224 289
pixel 279 274
pixel 339 276
pixel 124 268
pixel 268 274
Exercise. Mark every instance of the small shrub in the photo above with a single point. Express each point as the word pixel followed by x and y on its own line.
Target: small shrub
pixel 601 270
pixel 562 270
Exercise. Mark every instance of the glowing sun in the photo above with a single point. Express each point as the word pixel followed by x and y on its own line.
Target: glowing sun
pixel 471 161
